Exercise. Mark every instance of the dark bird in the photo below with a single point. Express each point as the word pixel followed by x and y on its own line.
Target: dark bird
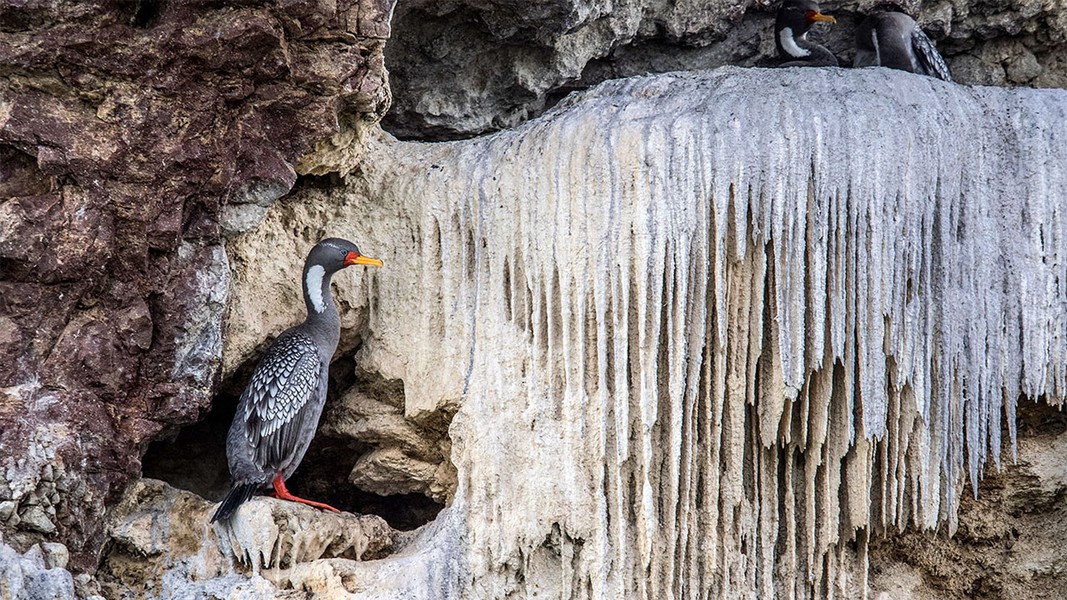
pixel 791 27
pixel 893 39
pixel 279 410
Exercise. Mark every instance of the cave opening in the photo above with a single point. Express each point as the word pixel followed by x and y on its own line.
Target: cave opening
pixel 363 417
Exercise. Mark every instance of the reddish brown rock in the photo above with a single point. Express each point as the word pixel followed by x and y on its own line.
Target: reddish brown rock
pixel 126 129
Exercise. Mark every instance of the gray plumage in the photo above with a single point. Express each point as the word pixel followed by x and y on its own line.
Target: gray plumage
pixel 894 40
pixel 279 411
pixel 282 403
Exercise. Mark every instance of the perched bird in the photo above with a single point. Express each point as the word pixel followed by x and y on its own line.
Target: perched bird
pixel 893 39
pixel 791 27
pixel 279 410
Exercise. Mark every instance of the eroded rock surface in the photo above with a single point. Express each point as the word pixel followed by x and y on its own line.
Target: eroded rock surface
pixel 159 542
pixel 133 136
pixel 698 342
pixel 465 67
pixel 1010 543
pixel 38 573
pixel 401 455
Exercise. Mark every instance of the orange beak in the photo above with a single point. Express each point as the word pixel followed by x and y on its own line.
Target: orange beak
pixel 354 258
pixel 818 16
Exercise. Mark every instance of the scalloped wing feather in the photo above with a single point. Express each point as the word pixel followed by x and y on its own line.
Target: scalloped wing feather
pixel 928 58
pixel 283 384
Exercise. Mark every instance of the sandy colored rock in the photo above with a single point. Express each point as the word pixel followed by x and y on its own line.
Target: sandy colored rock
pixel 159 538
pixel 55 555
pixel 389 471
pixel 1010 540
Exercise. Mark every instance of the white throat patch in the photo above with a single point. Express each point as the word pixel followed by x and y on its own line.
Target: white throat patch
pixel 314 287
pixel 785 36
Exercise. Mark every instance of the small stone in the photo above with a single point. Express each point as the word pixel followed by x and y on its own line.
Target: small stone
pixel 35 556
pixel 1023 68
pixel 56 555
pixel 36 519
pixel 86 587
pixel 48 474
pixel 7 508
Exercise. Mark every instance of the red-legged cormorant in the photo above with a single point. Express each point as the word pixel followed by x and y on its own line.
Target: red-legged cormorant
pixel 279 411
pixel 791 27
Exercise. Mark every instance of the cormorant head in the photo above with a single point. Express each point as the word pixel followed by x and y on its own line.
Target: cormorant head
pixel 334 254
pixel 799 16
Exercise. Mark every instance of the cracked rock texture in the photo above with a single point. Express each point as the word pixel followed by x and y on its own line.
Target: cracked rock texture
pixel 159 543
pixel 465 67
pixel 133 137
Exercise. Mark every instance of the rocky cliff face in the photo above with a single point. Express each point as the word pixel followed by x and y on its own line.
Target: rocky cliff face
pixel 133 136
pixel 597 339
pixel 684 368
pixel 466 67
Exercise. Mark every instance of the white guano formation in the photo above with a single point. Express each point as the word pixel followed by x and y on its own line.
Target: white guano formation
pixel 707 328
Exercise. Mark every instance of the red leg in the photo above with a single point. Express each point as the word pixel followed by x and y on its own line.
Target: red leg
pixel 282 493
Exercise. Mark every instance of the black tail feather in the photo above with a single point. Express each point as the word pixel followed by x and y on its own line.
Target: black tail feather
pixel 239 494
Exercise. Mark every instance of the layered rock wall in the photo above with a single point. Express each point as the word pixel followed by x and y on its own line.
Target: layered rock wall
pixel 466 67
pixel 133 136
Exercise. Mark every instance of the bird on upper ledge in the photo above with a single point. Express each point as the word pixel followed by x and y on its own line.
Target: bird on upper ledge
pixel 889 38
pixel 279 411
pixel 795 18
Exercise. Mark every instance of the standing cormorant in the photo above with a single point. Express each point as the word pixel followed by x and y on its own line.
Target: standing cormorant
pixel 279 410
pixel 893 39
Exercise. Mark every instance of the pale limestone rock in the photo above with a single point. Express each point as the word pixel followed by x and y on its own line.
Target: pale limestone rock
pixel 408 455
pixel 159 538
pixel 35 518
pixel 7 508
pixel 388 471
pixel 638 302
pixel 28 576
pixel 55 555
pixel 358 416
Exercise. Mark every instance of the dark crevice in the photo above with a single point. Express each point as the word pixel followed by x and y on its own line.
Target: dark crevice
pixel 194 457
pixel 146 13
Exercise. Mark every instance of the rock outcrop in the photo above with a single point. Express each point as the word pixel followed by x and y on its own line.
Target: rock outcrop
pixel 703 344
pixel 466 67
pixel 39 573
pixel 133 136
pixel 1010 540
pixel 159 542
